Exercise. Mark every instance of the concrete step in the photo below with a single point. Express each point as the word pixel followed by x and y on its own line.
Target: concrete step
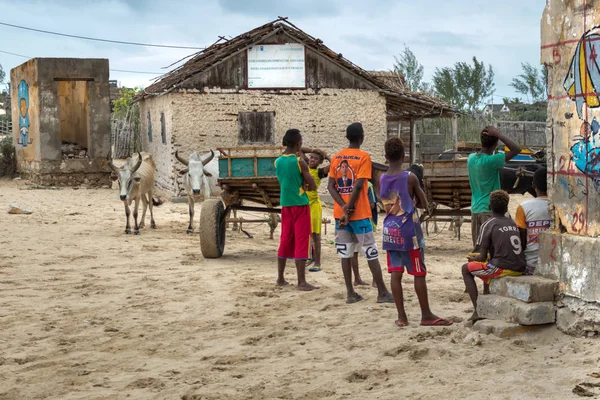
pixel 530 289
pixel 512 310
pixel 504 329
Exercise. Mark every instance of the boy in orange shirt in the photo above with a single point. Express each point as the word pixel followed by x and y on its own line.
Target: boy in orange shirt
pixel 349 172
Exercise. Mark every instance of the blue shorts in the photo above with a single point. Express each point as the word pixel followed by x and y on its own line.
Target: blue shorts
pixel 412 260
pixel 356 237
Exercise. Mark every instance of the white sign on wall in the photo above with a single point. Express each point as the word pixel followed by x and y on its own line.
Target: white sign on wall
pixel 276 66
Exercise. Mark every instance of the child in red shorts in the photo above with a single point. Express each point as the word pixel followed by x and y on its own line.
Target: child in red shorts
pixel 294 179
pixel 402 234
pixel 500 237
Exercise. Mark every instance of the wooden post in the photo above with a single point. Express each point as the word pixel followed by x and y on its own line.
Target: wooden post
pixel 454 133
pixel 413 142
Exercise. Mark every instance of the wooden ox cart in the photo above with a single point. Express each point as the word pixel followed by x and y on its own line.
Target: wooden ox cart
pixel 447 184
pixel 246 174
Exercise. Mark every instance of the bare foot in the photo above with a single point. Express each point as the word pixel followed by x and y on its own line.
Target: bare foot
pixel 360 282
pixel 354 298
pixel 282 282
pixel 400 323
pixel 386 298
pixel 307 287
pixel 475 317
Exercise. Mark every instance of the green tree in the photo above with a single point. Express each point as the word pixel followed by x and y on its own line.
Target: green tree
pixel 531 82
pixel 123 104
pixel 445 87
pixel 464 85
pixel 2 75
pixel 409 67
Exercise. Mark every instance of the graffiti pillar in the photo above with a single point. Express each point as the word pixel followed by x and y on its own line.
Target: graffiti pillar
pixel 570 253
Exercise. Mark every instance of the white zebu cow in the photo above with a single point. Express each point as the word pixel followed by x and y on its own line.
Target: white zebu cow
pixel 199 179
pixel 136 182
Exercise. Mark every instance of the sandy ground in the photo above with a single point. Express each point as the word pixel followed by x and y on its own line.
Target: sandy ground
pixel 87 312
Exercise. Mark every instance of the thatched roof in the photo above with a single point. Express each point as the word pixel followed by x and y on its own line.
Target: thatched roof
pixel 401 102
pixel 391 79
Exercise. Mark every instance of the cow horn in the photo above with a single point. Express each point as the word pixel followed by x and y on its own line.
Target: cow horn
pixel 139 162
pixel 209 159
pixel 110 163
pixel 181 160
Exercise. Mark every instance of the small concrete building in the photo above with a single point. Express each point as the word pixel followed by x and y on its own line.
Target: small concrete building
pixel 250 89
pixel 61 120
pixel 570 252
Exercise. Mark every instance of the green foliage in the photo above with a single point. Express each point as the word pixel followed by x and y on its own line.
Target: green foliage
pixel 465 86
pixel 2 74
pixel 531 83
pixel 125 102
pixel 529 112
pixel 410 68
pixel 8 157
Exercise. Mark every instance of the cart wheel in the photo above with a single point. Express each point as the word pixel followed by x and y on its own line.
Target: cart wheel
pixel 212 228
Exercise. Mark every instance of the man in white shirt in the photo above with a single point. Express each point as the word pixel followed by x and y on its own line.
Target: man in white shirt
pixel 532 218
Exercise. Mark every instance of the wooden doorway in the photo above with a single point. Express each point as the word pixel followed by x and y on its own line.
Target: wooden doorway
pixel 74 123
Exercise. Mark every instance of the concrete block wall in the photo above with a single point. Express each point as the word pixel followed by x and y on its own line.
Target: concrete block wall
pixel 40 157
pixel 569 253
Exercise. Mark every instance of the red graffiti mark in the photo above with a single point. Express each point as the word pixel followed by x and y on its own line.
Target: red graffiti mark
pixel 556 56
pixel 593 54
pixel 564 167
pixel 578 222
pixel 552 256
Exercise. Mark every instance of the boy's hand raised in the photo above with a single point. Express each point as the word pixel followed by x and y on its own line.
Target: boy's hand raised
pixel 491 131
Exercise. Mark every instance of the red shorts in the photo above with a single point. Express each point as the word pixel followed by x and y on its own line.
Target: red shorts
pixel 295 233
pixel 412 261
pixel 487 272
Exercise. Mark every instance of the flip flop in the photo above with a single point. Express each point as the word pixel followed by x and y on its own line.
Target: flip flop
pixel 400 324
pixel 388 299
pixel 438 322
pixel 315 268
pixel 354 299
pixel 309 262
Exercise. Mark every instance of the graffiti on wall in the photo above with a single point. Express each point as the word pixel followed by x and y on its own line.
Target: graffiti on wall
pixel 581 84
pixel 23 102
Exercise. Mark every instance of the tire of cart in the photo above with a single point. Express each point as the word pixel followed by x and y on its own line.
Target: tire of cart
pixel 212 228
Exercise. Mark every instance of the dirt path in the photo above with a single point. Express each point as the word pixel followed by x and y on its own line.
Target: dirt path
pixel 87 312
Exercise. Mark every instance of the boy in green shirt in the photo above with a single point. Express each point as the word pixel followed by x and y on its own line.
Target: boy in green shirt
pixel 484 176
pixel 294 180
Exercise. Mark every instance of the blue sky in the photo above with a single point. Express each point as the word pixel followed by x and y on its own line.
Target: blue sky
pixel 439 32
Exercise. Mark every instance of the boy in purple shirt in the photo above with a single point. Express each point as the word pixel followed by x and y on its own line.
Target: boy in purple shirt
pixel 402 234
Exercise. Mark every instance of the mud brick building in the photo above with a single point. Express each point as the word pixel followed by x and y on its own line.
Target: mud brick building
pixel 250 89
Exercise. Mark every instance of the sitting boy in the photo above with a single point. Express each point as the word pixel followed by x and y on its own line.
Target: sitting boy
pixel 500 237
pixel 532 218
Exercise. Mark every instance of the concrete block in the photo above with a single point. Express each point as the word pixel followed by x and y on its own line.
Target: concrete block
pixel 530 289
pixel 512 310
pixel 550 255
pixel 577 317
pixel 504 329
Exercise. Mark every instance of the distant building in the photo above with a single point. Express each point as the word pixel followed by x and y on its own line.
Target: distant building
pixel 250 89
pixel 496 109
